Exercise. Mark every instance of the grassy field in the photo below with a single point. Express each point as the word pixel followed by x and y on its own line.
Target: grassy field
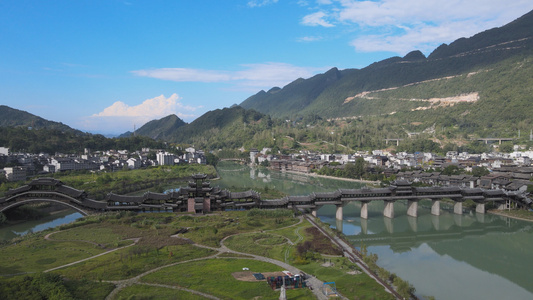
pixel 35 254
pixel 146 292
pixel 275 234
pixel 132 261
pixel 263 244
pixel 215 277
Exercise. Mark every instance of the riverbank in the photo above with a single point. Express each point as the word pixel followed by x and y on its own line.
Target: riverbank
pixel 521 215
pixel 333 177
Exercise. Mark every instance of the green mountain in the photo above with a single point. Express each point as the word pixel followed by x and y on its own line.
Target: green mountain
pixel 10 117
pixel 229 127
pixel 346 93
pixel 161 129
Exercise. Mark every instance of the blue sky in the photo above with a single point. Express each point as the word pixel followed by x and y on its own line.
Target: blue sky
pixel 103 66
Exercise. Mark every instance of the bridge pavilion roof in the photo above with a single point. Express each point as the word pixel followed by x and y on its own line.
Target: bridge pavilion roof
pixel 46 181
pixel 307 198
pixel 472 191
pixel 275 202
pixel 365 191
pixel 438 189
pixel 122 198
pixel 156 196
pixel 94 204
pixel 330 195
pixel 70 191
pixel 246 194
pixel 20 189
pixel 493 192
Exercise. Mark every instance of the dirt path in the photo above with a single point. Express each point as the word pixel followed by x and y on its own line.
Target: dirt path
pixel 312 282
pixel 135 241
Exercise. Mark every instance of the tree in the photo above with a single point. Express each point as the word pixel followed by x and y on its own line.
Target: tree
pixel 451 170
pixel 360 167
pixel 506 147
pixel 480 171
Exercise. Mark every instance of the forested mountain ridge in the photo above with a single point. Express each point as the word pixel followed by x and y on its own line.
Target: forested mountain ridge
pixel 162 129
pixel 463 56
pixel 11 117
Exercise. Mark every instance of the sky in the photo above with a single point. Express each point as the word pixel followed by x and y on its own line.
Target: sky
pixel 105 66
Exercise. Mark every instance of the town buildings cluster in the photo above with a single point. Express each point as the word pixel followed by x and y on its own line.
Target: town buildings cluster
pixel 509 171
pixel 22 165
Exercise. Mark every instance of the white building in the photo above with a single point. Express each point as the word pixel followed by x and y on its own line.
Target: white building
pixel 253 154
pixel 63 163
pixel 165 159
pixel 4 151
pixel 15 173
pixel 133 163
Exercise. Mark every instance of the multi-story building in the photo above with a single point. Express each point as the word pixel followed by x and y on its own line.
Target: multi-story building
pixel 15 173
pixel 165 159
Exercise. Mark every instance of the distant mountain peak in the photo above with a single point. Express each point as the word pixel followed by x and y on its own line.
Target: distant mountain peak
pixel 414 55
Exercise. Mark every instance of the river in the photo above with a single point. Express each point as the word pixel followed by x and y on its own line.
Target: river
pixel 469 256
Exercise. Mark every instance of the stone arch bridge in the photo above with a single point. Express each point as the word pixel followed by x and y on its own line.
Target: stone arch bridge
pixel 200 197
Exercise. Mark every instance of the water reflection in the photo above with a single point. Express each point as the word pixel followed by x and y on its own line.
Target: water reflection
pixel 235 175
pixel 487 252
pixel 56 219
pixel 469 256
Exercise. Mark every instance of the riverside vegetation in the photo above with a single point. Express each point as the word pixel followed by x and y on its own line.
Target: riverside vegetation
pixel 144 247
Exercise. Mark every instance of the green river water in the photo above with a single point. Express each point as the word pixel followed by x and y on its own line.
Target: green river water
pixel 469 256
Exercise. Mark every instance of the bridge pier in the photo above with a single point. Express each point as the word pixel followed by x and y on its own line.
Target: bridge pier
pixel 480 218
pixel 435 220
pixel 338 225
pixel 364 210
pixel 388 211
pixel 458 208
pixel 314 211
pixel 413 223
pixel 480 208
pixel 412 208
pixel 435 207
pixel 458 220
pixel 338 214
pixel 364 226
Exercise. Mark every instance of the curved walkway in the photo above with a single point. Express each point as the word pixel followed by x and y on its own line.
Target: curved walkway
pixel 135 241
pixel 313 282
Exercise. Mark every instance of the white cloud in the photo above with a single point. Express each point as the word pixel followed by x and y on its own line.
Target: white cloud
pixel 120 117
pixel 256 76
pixel 424 38
pixel 259 3
pixel 310 39
pixel 271 74
pixel 316 19
pixel 183 74
pixel 404 25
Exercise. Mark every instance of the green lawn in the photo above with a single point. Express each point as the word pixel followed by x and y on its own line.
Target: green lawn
pixel 93 233
pixel 214 277
pixel 132 261
pixel 146 292
pixel 263 244
pixel 36 254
